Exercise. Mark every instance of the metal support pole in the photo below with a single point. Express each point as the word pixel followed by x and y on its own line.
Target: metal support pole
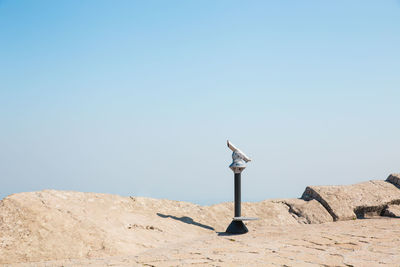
pixel 238 195
pixel 238 165
pixel 237 226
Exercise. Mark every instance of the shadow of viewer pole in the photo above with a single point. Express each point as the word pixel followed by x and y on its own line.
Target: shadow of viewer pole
pixel 238 165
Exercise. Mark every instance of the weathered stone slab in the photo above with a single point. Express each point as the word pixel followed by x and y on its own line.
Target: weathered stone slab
pixel 307 212
pixel 274 212
pixel 347 202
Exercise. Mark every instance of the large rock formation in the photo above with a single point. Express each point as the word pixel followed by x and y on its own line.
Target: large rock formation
pixel 355 201
pixel 393 210
pixel 56 225
pixel 62 224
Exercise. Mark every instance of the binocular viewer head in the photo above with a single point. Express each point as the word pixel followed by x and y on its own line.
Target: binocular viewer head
pixel 238 153
pixel 239 159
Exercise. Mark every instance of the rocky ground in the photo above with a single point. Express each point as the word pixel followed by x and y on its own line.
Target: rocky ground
pixel 367 242
pixel 329 225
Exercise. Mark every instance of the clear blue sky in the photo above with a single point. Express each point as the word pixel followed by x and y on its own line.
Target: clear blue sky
pixel 139 97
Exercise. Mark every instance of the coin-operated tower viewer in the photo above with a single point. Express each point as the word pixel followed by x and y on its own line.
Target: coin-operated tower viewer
pixel 238 165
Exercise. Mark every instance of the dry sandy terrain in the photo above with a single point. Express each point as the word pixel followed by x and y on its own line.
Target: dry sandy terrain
pixel 330 225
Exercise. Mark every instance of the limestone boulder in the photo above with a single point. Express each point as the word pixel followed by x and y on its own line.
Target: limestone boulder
pixel 347 202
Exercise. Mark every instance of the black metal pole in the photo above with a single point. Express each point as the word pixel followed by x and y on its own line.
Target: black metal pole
pixel 237 226
pixel 237 194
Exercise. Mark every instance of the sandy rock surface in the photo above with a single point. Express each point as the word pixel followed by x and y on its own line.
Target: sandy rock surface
pixel 308 212
pixel 65 228
pixel 53 224
pixel 347 202
pixel 367 242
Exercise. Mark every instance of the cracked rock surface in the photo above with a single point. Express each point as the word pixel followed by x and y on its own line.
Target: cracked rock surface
pixel 348 202
pixel 369 242
pixel 308 212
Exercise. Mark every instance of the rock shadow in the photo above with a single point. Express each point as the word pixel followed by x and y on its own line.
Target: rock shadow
pixel 187 220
